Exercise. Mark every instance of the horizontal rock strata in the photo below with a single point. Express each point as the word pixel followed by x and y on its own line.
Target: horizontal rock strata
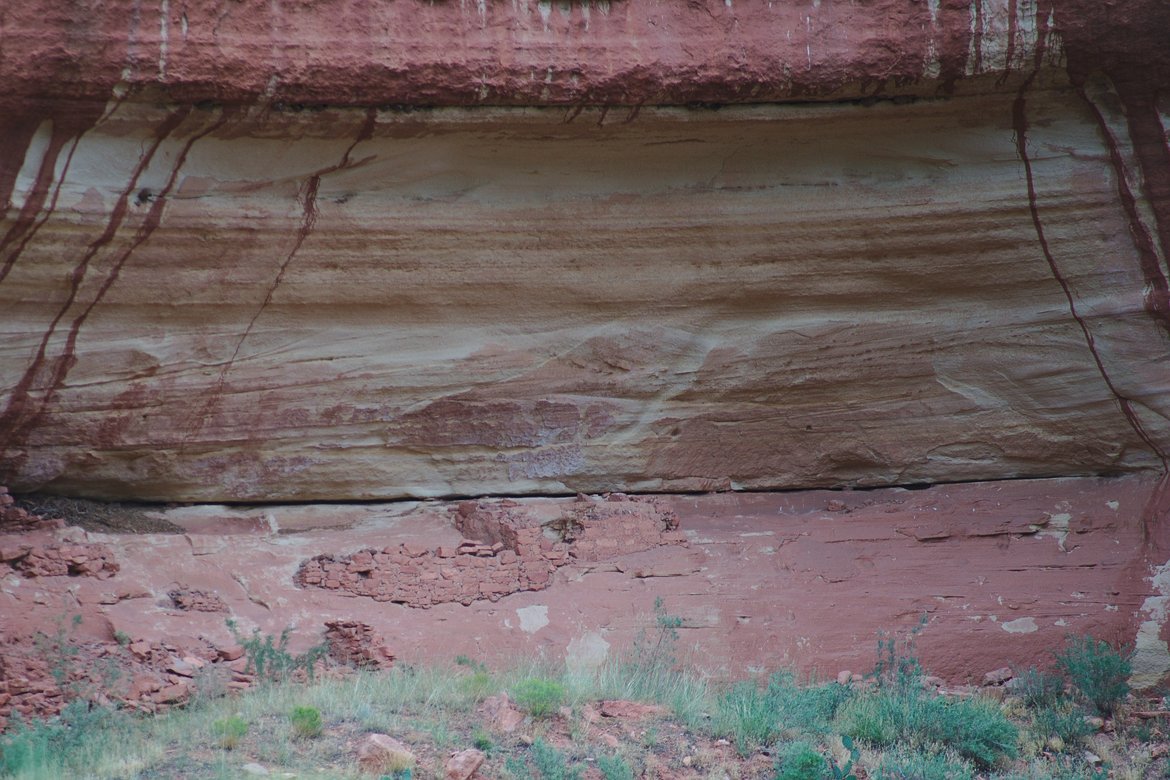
pixel 545 248
pixel 750 298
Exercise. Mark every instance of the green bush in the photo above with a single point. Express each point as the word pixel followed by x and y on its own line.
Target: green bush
pixel 229 732
pixel 614 767
pixel 801 761
pixel 1061 721
pixel 1098 672
pixel 897 664
pixel 538 696
pixel 976 728
pixel 306 721
pixel 482 740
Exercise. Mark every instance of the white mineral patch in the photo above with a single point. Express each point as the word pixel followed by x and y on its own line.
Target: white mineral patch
pixel 533 618
pixel 1024 625
pixel 1151 657
pixel 586 652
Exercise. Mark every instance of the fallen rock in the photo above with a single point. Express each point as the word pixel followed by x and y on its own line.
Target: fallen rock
pixel 464 764
pixel 998 677
pixel 500 714
pixel 172 693
pixel 382 753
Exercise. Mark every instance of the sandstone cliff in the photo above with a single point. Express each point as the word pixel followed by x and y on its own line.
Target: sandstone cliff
pixel 353 250
pixel 347 249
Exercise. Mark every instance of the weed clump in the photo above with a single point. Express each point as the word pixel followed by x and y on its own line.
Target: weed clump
pixel 306 722
pixel 229 732
pixel 1037 688
pixel 976 728
pixel 614 767
pixel 538 696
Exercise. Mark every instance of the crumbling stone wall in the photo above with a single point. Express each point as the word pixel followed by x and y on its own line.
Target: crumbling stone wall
pixel 508 549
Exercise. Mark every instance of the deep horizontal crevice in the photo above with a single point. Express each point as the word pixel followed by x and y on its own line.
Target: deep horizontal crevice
pixel 38 501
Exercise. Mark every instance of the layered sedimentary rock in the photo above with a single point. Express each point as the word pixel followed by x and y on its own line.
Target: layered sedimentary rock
pixel 245 261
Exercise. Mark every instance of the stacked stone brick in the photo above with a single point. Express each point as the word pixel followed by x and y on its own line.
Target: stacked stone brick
pixel 13 518
pixel 353 643
pixel 508 549
pixel 190 600
pixel 60 560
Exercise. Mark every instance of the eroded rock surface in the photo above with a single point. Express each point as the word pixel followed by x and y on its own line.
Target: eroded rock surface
pixel 1002 571
pixel 517 550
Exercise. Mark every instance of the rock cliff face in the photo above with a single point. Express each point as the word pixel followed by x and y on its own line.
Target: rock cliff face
pixel 353 250
pixel 224 278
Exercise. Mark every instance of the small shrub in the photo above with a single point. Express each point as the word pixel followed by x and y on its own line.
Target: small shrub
pixel 1038 689
pixel 538 696
pixel 897 664
pixel 614 768
pixel 306 722
pixel 1098 672
pixel 269 658
pixel 229 732
pixel 801 761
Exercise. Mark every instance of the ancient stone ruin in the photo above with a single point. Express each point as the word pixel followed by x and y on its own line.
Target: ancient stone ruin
pixel 396 315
